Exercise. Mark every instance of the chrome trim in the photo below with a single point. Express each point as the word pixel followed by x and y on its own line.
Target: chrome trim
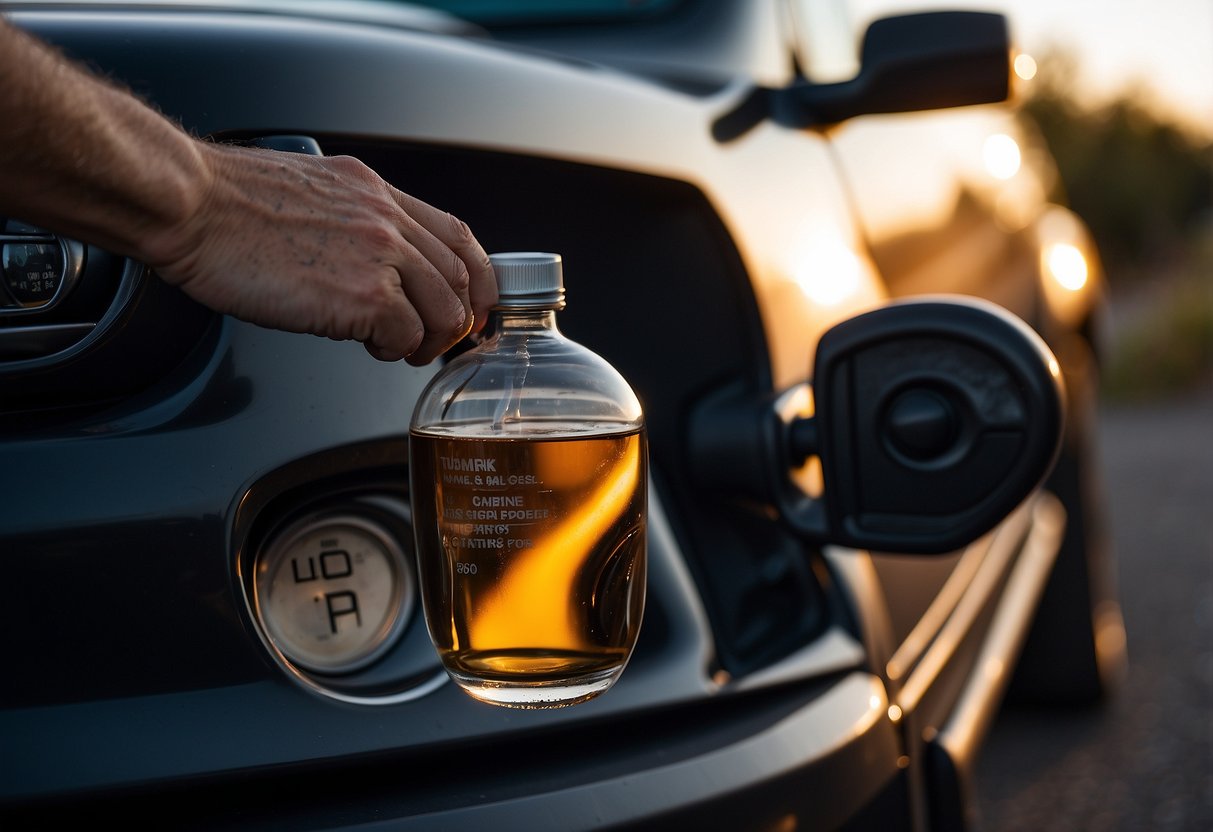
pixel 978 704
pixel 299 674
pixel 992 569
pixel 914 646
pixel 418 691
pixel 856 574
pixel 133 274
pixel 34 339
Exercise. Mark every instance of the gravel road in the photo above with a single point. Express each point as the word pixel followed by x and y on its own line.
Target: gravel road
pixel 1143 761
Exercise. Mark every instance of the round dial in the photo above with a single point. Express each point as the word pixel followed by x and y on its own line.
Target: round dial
pixel 333 593
pixel 32 271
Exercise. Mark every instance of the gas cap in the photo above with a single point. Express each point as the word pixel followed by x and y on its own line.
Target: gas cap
pixel 921 425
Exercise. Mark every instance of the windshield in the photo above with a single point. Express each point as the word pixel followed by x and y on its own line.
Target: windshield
pixel 499 12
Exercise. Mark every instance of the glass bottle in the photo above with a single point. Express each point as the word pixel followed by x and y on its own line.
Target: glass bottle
pixel 528 471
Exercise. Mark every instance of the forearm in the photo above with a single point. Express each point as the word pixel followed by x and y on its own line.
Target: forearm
pixel 301 243
pixel 84 158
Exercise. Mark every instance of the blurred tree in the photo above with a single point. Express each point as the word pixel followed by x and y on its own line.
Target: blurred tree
pixel 1143 185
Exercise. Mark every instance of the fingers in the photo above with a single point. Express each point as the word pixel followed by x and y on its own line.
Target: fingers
pixel 436 281
pixel 353 257
pixel 446 276
pixel 445 318
pixel 456 238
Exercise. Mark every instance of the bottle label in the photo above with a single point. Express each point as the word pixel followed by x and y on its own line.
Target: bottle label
pixel 476 513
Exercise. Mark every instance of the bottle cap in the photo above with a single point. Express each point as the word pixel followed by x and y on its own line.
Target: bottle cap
pixel 529 280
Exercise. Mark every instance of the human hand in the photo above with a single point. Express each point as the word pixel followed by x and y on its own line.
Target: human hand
pixel 323 245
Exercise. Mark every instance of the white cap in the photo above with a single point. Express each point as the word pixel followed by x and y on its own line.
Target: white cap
pixel 529 279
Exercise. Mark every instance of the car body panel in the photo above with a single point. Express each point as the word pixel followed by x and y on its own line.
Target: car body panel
pixel 805 257
pixel 773 679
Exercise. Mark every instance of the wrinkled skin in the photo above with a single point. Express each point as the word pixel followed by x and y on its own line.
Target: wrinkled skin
pixel 323 245
pixel 295 242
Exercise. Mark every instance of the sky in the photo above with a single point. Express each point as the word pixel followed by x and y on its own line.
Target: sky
pixel 1165 46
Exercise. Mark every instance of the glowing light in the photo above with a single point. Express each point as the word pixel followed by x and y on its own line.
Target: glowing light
pixel 532 604
pixel 827 270
pixel 1025 66
pixel 894 713
pixel 1001 155
pixel 1067 266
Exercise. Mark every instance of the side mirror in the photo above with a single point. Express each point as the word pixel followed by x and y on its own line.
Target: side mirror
pixel 933 420
pixel 926 61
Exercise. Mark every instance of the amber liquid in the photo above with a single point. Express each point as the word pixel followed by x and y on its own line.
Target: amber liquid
pixel 532 560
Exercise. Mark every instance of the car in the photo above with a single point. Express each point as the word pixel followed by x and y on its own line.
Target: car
pixel 867 355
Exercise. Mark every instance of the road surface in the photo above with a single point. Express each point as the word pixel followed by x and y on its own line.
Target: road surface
pixel 1144 761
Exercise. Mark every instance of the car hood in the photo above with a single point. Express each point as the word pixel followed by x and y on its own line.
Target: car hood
pixel 390 13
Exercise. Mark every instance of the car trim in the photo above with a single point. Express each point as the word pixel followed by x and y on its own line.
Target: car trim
pixel 997 561
pixel 68 341
pixel 915 645
pixel 953 750
pixel 849 719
